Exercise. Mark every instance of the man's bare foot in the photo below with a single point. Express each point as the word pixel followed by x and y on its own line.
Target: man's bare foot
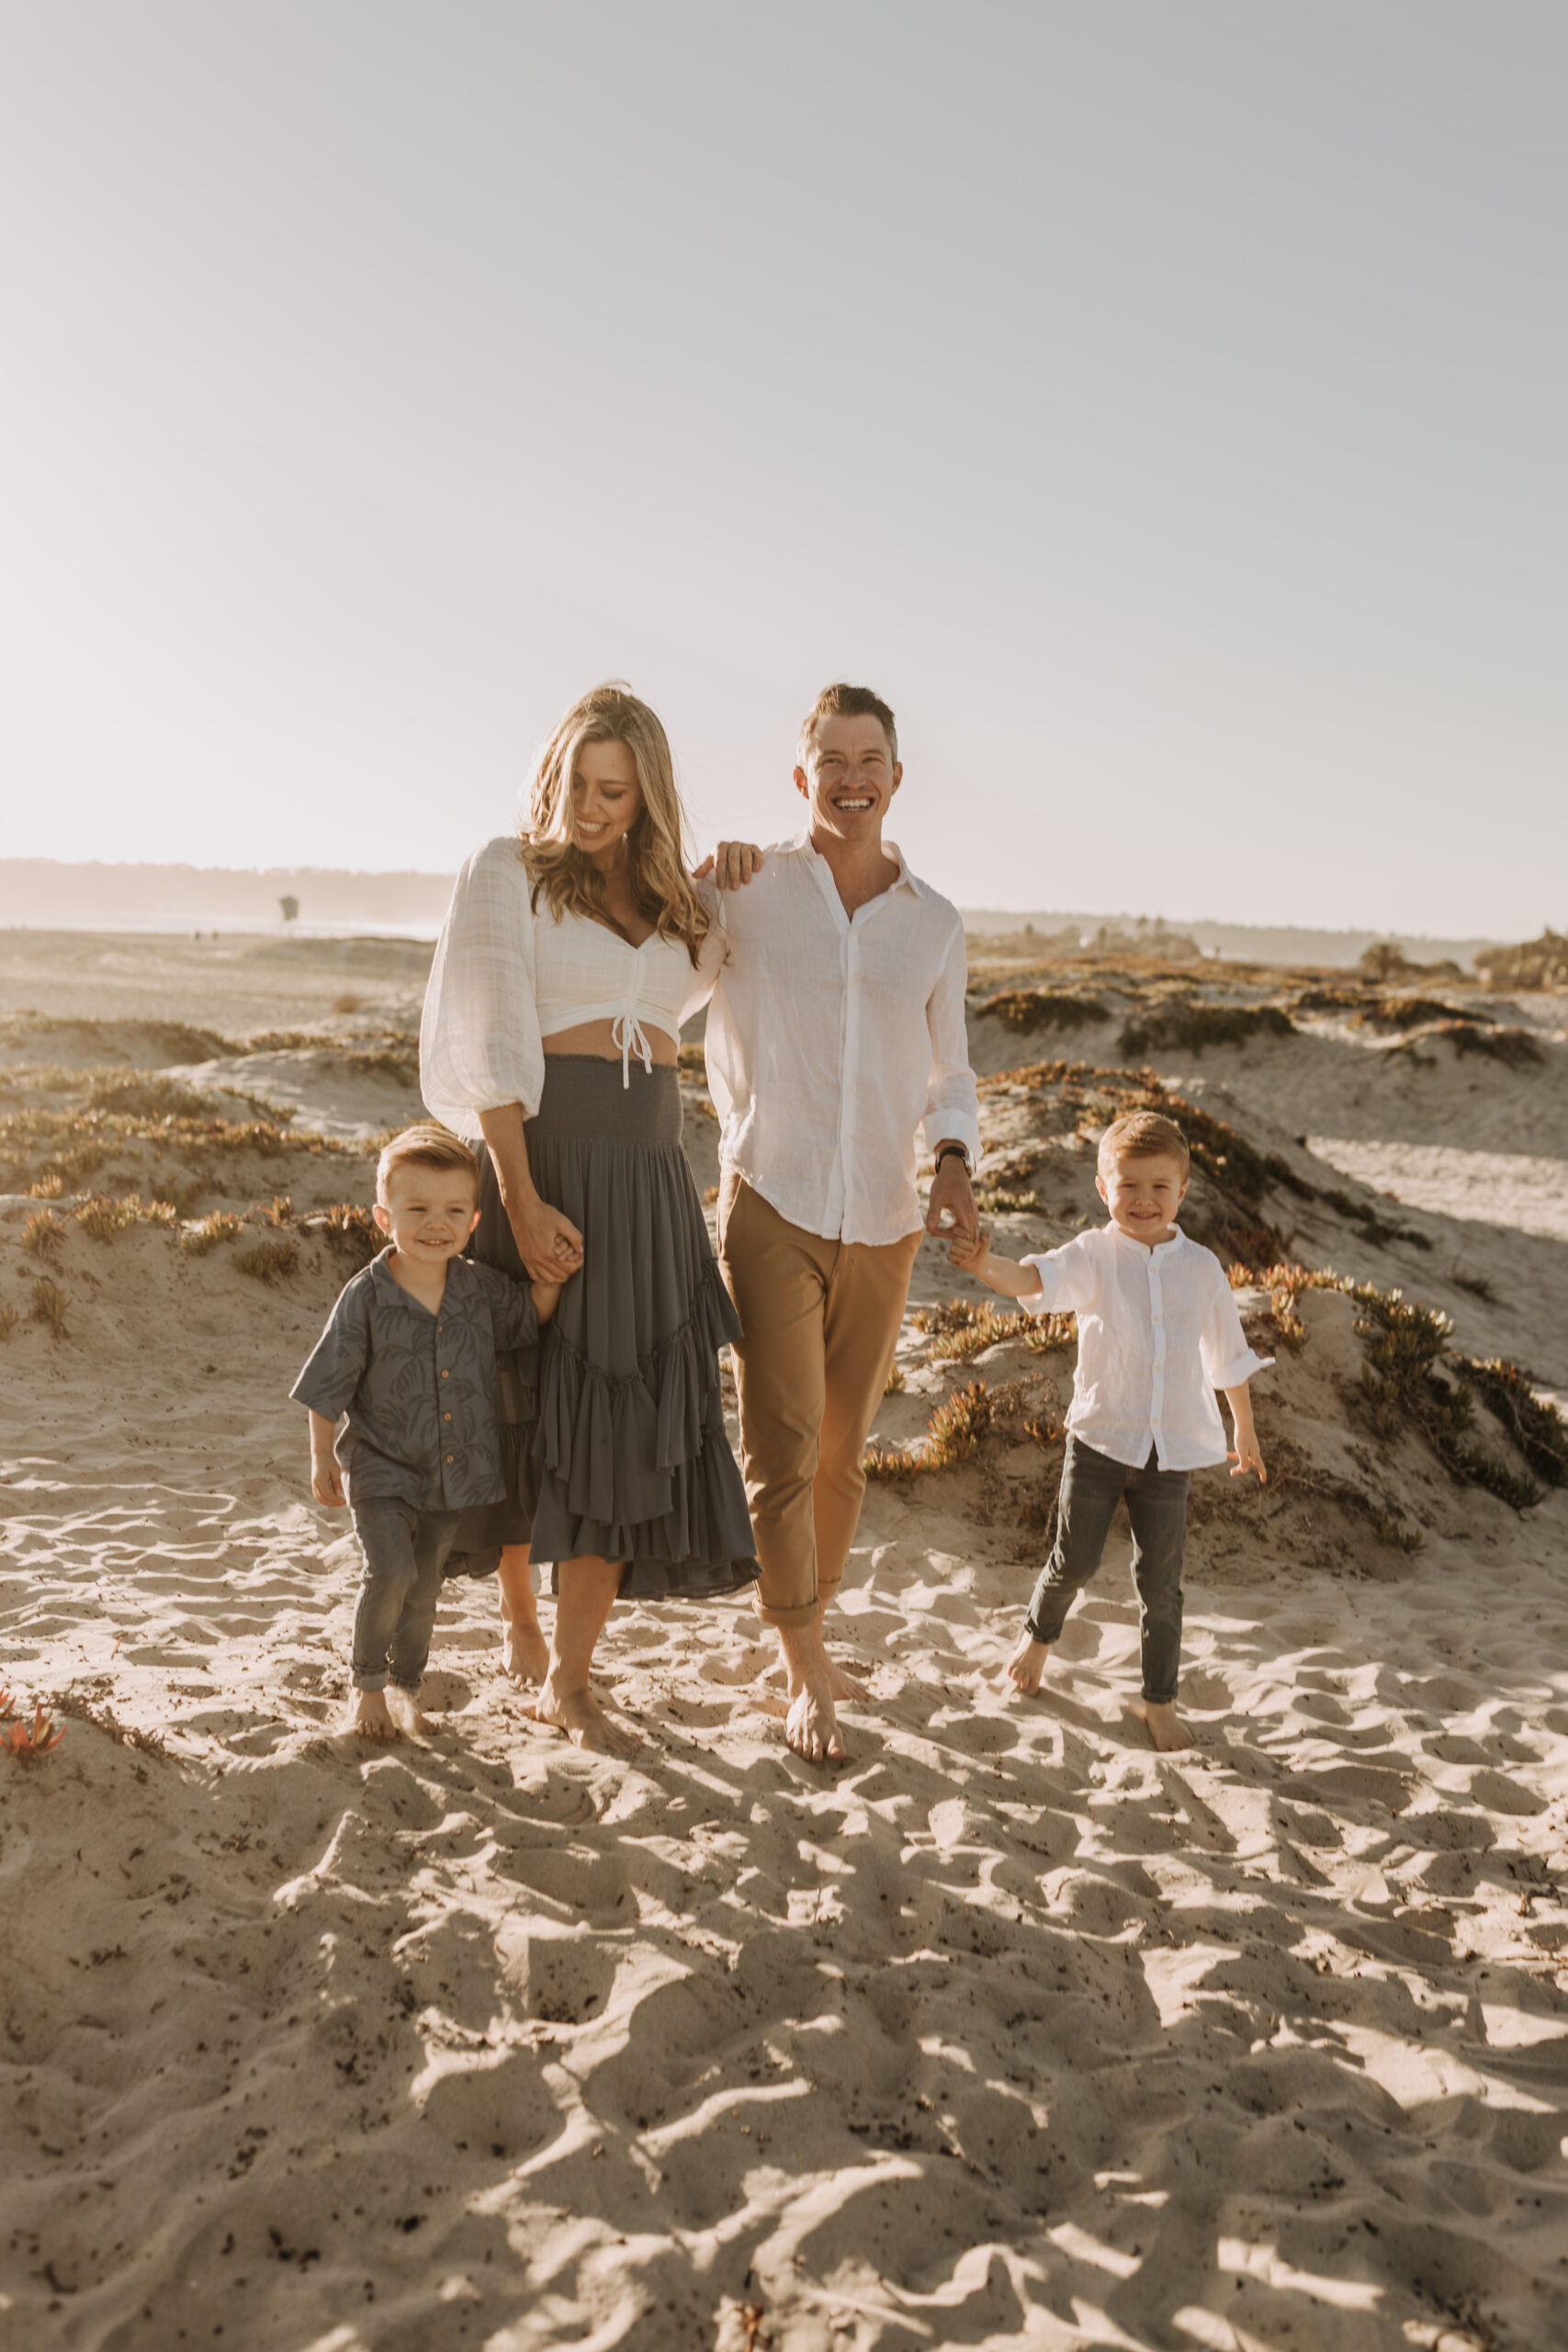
pixel 368 1715
pixel 811 1727
pixel 1027 1663
pixel 1166 1727
pixel 524 1653
pixel 845 1688
pixel 406 1713
pixel 583 1720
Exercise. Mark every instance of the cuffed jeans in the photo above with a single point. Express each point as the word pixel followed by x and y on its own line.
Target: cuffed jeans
pixel 1092 1486
pixel 404 1550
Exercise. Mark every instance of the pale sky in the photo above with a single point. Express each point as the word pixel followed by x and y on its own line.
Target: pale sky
pixel 1163 405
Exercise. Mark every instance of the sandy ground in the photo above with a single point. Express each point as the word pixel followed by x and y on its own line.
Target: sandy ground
pixel 1011 2033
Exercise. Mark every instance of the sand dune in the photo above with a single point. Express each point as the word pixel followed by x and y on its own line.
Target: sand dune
pixel 1011 2033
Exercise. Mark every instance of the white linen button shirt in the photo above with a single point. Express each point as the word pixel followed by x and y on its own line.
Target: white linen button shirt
pixel 833 1039
pixel 1159 1332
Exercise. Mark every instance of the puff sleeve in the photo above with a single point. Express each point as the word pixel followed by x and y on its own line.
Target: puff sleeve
pixel 479 1034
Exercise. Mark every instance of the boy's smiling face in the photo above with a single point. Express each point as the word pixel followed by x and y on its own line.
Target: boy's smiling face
pixel 1144 1191
pixel 428 1212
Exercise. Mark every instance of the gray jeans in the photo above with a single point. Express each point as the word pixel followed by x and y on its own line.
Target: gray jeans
pixel 1092 1486
pixel 405 1551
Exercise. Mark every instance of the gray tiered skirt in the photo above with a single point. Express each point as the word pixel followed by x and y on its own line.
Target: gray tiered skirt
pixel 612 1436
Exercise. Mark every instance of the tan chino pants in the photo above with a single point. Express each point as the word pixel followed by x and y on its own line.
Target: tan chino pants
pixel 821 1320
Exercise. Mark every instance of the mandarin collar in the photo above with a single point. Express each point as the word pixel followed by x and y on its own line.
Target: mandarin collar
pixel 1160 1249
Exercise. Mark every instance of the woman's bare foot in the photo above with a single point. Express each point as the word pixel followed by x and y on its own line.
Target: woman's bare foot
pixel 581 1716
pixel 1166 1727
pixel 368 1715
pixel 524 1653
pixel 406 1713
pixel 1027 1663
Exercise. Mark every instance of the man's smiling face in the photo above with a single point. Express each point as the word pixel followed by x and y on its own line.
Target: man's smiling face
pixel 850 781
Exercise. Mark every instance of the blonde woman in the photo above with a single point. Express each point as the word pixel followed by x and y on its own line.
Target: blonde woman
pixel 569 960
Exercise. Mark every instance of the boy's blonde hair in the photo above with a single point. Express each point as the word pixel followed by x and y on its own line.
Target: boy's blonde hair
pixel 1141 1135
pixel 561 873
pixel 846 702
pixel 426 1145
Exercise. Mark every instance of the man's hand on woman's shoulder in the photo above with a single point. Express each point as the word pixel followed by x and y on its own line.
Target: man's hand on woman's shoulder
pixel 731 864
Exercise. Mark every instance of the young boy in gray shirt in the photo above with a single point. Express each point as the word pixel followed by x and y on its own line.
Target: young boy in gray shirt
pixel 409 1355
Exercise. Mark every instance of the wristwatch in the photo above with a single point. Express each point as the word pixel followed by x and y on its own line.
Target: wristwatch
pixel 948 1151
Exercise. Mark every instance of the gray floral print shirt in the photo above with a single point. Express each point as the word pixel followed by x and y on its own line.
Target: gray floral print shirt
pixel 419 1389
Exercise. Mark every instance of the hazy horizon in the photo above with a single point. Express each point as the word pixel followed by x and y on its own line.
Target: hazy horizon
pixel 1162 408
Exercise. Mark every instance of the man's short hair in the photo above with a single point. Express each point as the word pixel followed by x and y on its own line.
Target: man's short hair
pixel 426 1145
pixel 846 702
pixel 1141 1135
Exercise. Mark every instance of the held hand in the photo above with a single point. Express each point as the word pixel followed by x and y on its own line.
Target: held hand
pixel 1247 1455
pixel 548 1244
pixel 326 1481
pixel 732 865
pixel 971 1257
pixel 952 1195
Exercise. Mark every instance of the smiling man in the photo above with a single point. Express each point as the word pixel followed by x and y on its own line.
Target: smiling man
pixel 836 1033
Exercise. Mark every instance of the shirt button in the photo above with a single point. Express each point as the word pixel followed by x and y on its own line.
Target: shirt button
pixel 449 1457
pixel 445 1416
pixel 445 1375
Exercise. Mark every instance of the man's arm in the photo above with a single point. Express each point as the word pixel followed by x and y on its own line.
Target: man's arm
pixel 952 1102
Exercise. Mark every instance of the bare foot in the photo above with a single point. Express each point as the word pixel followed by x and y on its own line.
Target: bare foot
pixel 1166 1727
pixel 581 1716
pixel 845 1688
pixel 524 1653
pixel 368 1715
pixel 811 1727
pixel 1027 1663
pixel 406 1713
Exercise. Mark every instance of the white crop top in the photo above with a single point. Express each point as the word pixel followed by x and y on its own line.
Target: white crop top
pixel 504 977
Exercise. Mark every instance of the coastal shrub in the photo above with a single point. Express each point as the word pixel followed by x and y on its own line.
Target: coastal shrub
pixel 1514 1049
pixel 40 1143
pixel 962 1328
pixel 103 1219
pixel 268 1262
pixel 1537 1427
pixel 221 1226
pixel 42 1234
pixel 953 1435
pixel 1398 1012
pixel 1189 1028
pixel 1030 1009
pixel 26 1739
pixel 1373 1227
pixel 400 1061
pixel 1538 963
pixel 353 1232
pixel 49 1304
pixel 995 1201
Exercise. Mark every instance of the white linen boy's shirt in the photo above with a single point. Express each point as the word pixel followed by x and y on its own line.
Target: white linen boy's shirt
pixel 832 1039
pixel 1159 1332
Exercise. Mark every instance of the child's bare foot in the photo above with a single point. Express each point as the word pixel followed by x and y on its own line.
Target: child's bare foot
pixel 368 1715
pixel 1027 1663
pixel 524 1653
pixel 406 1713
pixel 581 1716
pixel 1166 1727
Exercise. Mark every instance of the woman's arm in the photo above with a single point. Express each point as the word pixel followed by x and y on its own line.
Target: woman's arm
pixel 548 1243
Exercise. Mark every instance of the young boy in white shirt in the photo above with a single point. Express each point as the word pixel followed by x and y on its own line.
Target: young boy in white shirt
pixel 1159 1332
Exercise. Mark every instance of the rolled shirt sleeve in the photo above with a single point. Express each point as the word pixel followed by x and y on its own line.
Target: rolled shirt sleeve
pixel 952 1101
pixel 479 1036
pixel 1229 1360
pixel 336 1363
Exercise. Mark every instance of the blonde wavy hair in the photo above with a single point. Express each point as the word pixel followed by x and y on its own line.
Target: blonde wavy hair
pixel 561 873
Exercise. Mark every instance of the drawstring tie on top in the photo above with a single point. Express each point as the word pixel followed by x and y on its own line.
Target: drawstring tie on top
pixel 626 1031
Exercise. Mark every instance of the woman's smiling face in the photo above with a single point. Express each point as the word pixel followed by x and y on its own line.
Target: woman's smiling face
pixel 607 799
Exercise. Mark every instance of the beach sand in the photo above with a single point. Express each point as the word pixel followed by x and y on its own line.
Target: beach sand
pixel 1010 2033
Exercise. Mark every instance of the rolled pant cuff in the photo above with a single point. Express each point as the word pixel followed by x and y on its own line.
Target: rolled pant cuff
pixel 800 1612
pixel 369 1681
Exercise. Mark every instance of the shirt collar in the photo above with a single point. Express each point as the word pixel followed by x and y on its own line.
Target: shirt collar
pixel 1120 1240
pixel 802 845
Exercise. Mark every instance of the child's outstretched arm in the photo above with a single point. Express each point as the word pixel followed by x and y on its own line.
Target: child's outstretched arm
pixel 1000 1275
pixel 326 1479
pixel 1246 1453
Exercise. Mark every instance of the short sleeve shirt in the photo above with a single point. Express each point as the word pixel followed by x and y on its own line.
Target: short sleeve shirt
pixel 1159 1332
pixel 419 1389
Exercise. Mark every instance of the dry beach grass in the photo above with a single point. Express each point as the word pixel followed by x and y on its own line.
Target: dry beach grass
pixel 1011 2033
